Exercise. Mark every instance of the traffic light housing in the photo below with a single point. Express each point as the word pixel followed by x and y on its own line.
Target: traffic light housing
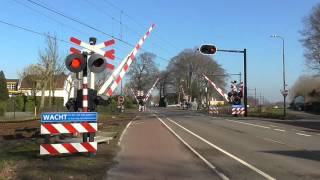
pixel 208 49
pixel 96 63
pixel 75 62
pixel 93 101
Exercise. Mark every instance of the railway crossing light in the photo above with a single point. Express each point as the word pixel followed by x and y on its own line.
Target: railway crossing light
pixel 208 49
pixel 75 62
pixel 96 63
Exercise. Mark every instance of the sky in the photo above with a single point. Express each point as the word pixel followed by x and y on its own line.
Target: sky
pixel 180 24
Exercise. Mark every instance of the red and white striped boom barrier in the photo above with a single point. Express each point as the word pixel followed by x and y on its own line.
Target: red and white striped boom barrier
pixel 120 71
pixel 150 90
pixel 224 95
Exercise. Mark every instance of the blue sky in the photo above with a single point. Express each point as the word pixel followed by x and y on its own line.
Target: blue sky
pixel 180 24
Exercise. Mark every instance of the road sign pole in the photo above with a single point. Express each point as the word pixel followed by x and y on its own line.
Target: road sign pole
pixel 85 95
pixel 92 41
pixel 245 100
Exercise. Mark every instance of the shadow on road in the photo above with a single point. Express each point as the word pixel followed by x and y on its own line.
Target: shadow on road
pixel 303 154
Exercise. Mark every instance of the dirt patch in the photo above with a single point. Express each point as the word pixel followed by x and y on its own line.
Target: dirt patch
pixel 19 130
pixel 8 170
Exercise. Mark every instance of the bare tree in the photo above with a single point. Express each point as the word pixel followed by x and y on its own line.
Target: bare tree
pixel 311 39
pixel 143 71
pixel 51 65
pixel 186 69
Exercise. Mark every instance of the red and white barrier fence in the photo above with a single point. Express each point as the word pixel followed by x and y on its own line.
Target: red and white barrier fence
pixel 67 148
pixel 213 110
pixel 238 111
pixel 62 128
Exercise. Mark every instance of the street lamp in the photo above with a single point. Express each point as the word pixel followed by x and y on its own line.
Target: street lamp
pixel 284 92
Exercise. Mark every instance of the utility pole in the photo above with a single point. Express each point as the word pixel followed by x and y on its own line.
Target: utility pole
pixel 121 39
pixel 255 97
pixel 284 92
pixel 211 49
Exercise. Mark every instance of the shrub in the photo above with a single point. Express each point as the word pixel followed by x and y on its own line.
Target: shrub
pixel 2 108
pixel 128 103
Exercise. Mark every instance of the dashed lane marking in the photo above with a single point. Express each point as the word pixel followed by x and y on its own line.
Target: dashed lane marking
pixel 256 125
pixel 282 130
pixel 302 134
pixel 267 176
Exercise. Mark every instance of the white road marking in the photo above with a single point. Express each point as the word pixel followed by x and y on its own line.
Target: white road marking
pixel 301 134
pixel 256 125
pixel 227 153
pixel 136 123
pixel 124 131
pixel 211 166
pixel 279 130
pixel 273 125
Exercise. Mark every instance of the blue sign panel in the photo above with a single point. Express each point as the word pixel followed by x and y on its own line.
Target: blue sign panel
pixel 238 106
pixel 60 117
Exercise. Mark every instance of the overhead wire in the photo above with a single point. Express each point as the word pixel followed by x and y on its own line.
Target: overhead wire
pixel 51 18
pixel 87 25
pixel 137 22
pixel 40 33
pixel 122 24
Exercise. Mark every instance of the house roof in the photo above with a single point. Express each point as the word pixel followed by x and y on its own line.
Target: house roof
pixel 27 82
pixel 12 80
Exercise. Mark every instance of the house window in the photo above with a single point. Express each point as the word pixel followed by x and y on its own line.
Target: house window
pixel 13 86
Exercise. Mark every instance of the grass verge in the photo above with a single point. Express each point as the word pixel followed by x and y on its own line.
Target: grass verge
pixel 20 159
pixel 272 114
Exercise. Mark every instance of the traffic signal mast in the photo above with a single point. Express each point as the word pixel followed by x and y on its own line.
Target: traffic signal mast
pixel 77 62
pixel 209 49
pixel 94 59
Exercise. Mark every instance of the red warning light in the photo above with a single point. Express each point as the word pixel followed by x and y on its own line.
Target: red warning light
pixel 208 49
pixel 76 63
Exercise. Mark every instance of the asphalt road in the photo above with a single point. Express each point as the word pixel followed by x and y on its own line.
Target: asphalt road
pixel 177 144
